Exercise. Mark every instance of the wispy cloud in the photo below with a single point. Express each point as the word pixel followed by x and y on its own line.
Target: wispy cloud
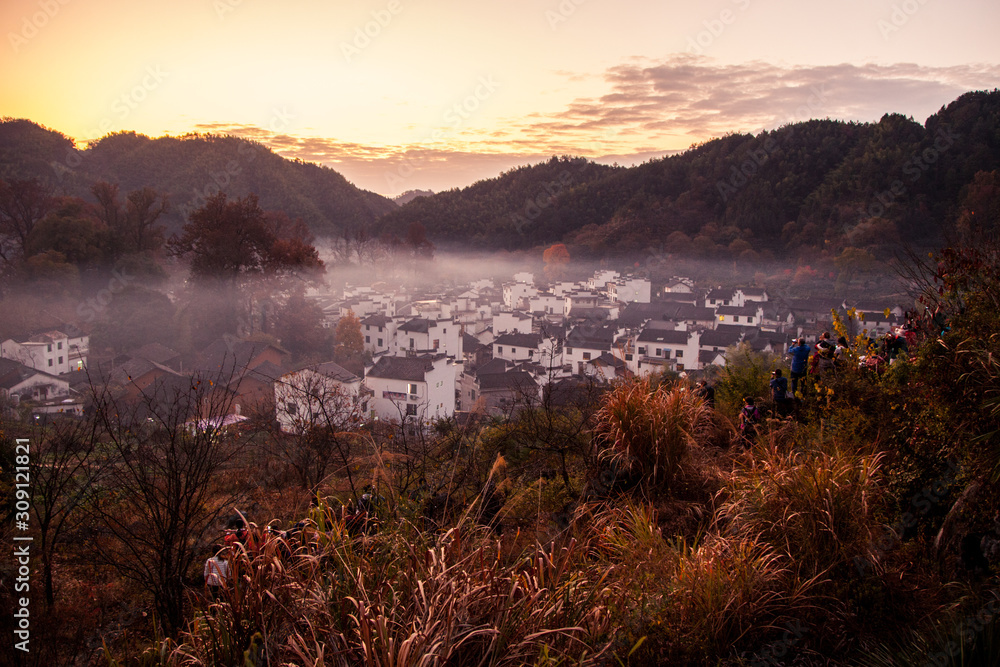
pixel 649 108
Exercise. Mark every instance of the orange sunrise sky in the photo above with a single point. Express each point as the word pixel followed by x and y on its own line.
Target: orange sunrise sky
pixel 434 94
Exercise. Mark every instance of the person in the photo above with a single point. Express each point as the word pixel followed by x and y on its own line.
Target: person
pixel 216 572
pixel 706 392
pixel 840 353
pixel 800 359
pixel 823 356
pixel 748 420
pixel 779 390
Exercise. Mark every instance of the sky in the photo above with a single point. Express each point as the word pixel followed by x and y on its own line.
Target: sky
pixel 400 95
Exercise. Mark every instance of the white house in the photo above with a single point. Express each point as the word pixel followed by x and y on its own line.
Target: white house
pixel 19 382
pixel 426 335
pixel 418 388
pixel 50 352
pixel 629 289
pixel 662 349
pixel 587 342
pixel 547 303
pixel 516 295
pixel 379 333
pixel 319 395
pixel 511 322
pixel 750 315
pixel 599 281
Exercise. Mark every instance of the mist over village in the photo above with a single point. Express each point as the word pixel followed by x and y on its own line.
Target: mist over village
pixel 563 333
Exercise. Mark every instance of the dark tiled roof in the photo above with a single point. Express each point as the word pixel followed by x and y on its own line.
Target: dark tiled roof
pixel 418 325
pixel 513 380
pixel 402 368
pixel 518 340
pixel 333 370
pixel 13 373
pixel 663 336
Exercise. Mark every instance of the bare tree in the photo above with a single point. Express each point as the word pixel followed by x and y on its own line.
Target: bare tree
pixel 63 470
pixel 164 487
pixel 320 417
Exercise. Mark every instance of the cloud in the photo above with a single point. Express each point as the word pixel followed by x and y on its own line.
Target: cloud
pixel 649 108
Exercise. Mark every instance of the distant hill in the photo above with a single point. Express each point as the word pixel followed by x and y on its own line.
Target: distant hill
pixel 816 186
pixel 810 189
pixel 410 195
pixel 187 169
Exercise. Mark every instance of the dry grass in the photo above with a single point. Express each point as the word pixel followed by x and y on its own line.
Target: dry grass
pixel 649 431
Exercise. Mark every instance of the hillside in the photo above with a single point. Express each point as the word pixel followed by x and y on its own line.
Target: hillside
pixel 187 169
pixel 816 186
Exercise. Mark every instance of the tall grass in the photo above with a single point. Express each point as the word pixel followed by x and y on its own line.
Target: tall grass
pixel 650 430
pixel 406 598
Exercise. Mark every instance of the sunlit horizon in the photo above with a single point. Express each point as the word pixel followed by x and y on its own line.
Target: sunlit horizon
pixel 401 96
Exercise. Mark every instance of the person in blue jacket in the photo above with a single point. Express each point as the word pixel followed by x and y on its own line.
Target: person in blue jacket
pixel 800 362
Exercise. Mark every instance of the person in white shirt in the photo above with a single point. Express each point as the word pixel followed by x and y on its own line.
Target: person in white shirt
pixel 216 572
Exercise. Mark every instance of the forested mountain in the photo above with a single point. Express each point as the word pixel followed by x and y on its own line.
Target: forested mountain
pixel 817 186
pixel 189 170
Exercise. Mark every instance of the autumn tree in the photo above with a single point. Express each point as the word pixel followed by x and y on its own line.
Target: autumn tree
pixel 233 240
pixel 556 258
pixel 350 345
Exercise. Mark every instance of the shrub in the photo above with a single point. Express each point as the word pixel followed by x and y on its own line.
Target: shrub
pixel 649 430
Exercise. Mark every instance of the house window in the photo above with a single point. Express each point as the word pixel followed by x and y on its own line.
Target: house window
pixel 59 346
pixel 680 367
pixel 380 342
pixel 513 351
pixel 411 388
pixel 531 353
pixel 444 331
pixel 642 350
pixel 659 351
pixel 411 409
pixel 436 344
pixel 60 360
pixel 569 350
pixel 368 339
pixel 628 357
pixel 680 354
pixel 50 347
pixel 411 343
pixel 50 362
pixel 586 356
pixel 380 329
pixel 292 408
pixel 499 349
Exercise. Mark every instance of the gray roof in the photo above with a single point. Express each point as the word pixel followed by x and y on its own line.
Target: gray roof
pixel 663 336
pixel 402 368
pixel 518 340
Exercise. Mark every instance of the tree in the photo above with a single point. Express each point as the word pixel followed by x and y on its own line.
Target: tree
pixel 556 259
pixel 134 225
pixel 232 240
pixel 300 327
pixel 350 344
pixel 162 494
pixel 63 468
pixel 22 204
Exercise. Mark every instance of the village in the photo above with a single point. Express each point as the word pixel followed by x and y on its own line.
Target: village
pixel 438 353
